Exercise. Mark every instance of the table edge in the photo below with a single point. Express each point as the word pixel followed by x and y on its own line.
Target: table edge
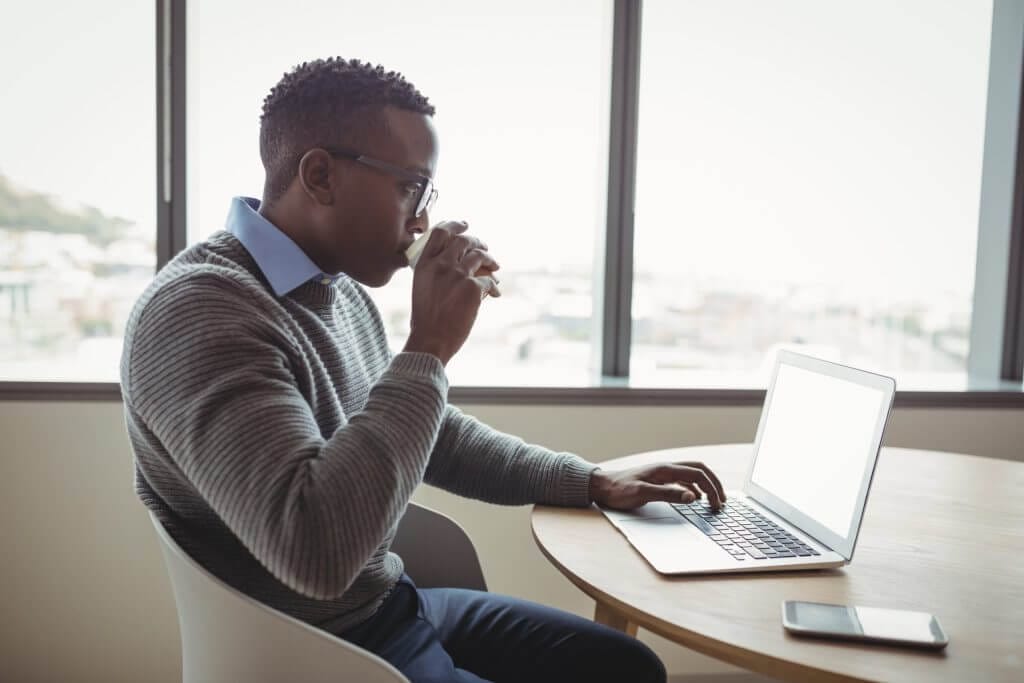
pixel 721 650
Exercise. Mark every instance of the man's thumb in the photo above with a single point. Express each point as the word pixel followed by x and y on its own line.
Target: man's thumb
pixel 668 493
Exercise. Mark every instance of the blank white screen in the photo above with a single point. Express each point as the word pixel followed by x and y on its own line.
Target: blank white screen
pixel 816 443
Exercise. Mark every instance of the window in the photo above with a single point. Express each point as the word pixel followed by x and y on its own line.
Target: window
pixel 521 91
pixel 836 178
pixel 77 185
pixel 808 176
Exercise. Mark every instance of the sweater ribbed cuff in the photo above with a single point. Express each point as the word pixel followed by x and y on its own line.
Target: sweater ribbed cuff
pixel 421 366
pixel 576 481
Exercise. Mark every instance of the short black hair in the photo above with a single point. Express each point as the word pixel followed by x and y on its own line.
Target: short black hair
pixel 323 103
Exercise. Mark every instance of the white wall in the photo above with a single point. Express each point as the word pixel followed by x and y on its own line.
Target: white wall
pixel 85 595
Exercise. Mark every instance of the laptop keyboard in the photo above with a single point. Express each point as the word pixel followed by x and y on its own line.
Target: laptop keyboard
pixel 743 532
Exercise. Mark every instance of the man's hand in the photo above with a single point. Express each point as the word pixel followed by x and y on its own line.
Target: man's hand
pixel 681 482
pixel 450 279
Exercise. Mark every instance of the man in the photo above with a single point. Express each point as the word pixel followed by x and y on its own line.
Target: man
pixel 278 439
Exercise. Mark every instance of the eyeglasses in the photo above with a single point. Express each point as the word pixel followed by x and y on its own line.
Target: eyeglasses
pixel 427 193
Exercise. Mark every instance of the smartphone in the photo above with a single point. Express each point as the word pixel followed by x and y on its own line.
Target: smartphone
pixel 870 624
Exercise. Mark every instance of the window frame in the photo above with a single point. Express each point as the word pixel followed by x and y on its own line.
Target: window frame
pixel 996 358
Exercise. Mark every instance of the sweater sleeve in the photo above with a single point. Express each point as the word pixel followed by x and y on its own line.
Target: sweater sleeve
pixel 211 377
pixel 477 461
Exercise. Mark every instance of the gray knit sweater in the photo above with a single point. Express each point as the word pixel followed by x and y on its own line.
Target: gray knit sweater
pixel 279 441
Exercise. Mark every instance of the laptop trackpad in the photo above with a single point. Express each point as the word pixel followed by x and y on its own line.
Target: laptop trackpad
pixel 671 544
pixel 661 512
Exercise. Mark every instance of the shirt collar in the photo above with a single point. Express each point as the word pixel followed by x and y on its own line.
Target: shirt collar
pixel 282 261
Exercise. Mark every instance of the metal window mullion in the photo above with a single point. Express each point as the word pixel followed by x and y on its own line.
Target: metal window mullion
pixel 1012 366
pixel 617 322
pixel 170 143
pixel 995 314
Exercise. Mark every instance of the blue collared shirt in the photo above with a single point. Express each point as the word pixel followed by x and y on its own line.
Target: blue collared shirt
pixel 281 260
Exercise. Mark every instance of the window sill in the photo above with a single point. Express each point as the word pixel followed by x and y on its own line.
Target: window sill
pixel 612 391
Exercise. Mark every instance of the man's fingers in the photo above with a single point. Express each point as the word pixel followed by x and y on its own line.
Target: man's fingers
pixel 489 263
pixel 488 286
pixel 691 488
pixel 711 475
pixel 476 260
pixel 442 234
pixel 466 255
pixel 437 241
pixel 664 492
pixel 685 474
pixel 454 227
pixel 681 471
pixel 461 247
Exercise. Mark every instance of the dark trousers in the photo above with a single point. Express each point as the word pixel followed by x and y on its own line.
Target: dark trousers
pixel 451 635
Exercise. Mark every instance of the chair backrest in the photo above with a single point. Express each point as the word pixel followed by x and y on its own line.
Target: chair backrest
pixel 228 636
pixel 436 551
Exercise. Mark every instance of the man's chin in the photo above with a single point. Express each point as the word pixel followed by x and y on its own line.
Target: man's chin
pixel 375 280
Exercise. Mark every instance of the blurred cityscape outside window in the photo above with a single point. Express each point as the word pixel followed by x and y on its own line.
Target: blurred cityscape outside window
pixel 77 185
pixel 808 177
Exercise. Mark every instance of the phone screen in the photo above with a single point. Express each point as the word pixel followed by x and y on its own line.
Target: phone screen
pixel 869 623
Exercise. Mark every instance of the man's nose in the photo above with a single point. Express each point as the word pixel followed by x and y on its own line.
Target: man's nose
pixel 419 223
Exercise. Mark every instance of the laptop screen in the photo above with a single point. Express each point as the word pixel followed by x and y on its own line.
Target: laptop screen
pixel 818 437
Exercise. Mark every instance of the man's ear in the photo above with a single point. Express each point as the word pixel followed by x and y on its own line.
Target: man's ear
pixel 316 176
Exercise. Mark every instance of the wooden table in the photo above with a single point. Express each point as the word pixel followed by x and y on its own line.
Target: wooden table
pixel 942 533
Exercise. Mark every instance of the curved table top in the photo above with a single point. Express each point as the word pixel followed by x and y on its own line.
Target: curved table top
pixel 942 533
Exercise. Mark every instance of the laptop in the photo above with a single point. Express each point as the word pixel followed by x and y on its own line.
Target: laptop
pixel 804 495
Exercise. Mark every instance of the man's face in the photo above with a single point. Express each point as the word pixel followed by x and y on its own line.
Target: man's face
pixel 370 223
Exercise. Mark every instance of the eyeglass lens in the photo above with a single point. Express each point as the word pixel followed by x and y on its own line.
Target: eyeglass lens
pixel 427 199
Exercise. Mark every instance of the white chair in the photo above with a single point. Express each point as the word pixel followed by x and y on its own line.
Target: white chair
pixel 226 636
